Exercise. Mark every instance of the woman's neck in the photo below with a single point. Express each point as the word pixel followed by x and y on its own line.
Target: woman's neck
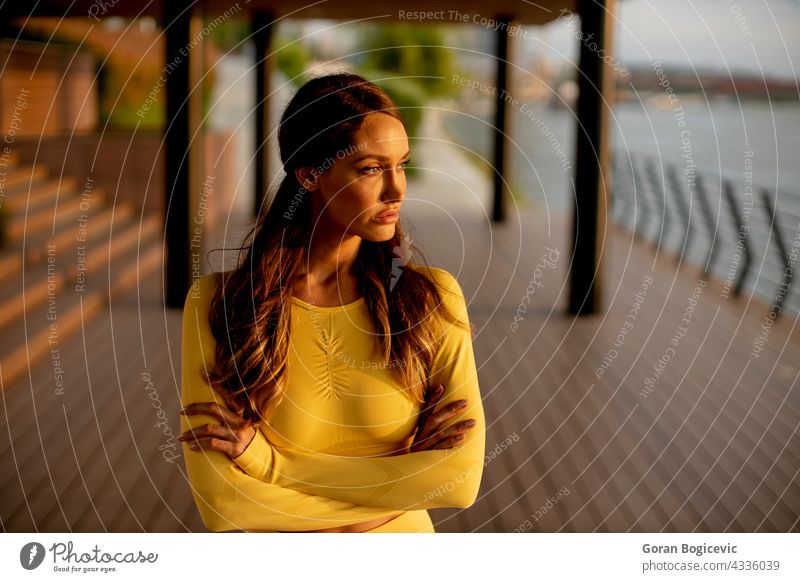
pixel 330 258
pixel 327 275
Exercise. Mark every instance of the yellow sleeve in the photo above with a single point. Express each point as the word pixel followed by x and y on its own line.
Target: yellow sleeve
pixel 226 497
pixel 421 480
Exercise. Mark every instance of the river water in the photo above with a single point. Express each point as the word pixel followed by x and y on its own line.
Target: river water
pixel 754 146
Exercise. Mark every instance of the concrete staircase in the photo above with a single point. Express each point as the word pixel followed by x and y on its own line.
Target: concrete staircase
pixel 69 251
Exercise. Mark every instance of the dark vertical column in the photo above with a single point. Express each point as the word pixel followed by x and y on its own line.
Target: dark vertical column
pixel 501 122
pixel 182 142
pixel 592 169
pixel 262 37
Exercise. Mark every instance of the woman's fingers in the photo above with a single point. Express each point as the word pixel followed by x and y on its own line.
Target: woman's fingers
pixel 444 438
pixel 232 438
pixel 207 431
pixel 430 434
pixel 448 411
pixel 214 444
pixel 452 435
pixel 423 443
pixel 213 409
pixel 213 437
pixel 431 399
pixel 435 394
pixel 433 423
pixel 450 442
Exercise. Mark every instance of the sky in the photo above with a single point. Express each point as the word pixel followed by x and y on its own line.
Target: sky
pixel 740 35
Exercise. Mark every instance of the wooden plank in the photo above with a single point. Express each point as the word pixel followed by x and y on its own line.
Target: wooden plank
pixel 731 466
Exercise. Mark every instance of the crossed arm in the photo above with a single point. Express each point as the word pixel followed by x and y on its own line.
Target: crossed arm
pixel 272 488
pixel 226 497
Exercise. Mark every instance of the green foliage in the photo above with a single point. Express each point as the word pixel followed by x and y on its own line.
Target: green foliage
pixel 229 36
pixel 408 95
pixel 293 58
pixel 412 51
pixel 123 90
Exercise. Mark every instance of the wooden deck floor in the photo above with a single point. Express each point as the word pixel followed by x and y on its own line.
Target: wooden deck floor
pixel 713 446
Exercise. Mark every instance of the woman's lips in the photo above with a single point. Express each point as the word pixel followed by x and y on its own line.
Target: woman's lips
pixel 387 217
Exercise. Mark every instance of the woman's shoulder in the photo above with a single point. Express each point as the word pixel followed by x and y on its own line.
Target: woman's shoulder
pixel 444 279
pixel 449 290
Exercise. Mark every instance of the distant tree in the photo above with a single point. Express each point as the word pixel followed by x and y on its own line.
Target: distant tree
pixel 293 56
pixel 231 34
pixel 408 95
pixel 293 59
pixel 412 51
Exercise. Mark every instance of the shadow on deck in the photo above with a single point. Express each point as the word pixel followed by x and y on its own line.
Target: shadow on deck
pixel 706 441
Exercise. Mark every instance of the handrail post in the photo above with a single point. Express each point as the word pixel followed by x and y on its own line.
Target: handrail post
pixel 742 233
pixel 705 208
pixel 684 208
pixel 788 272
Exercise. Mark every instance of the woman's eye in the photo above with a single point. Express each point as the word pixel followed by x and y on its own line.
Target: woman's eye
pixel 376 170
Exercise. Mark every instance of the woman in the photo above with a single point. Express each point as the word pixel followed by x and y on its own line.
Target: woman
pixel 345 395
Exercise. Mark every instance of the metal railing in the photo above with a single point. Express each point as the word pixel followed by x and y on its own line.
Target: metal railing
pixel 747 235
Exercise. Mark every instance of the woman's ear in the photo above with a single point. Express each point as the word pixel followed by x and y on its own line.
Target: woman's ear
pixel 306 177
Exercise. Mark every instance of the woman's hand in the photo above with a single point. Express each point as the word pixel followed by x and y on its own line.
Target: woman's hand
pixel 231 437
pixel 430 434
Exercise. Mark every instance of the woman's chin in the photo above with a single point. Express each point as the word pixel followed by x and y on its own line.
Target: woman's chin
pixel 380 232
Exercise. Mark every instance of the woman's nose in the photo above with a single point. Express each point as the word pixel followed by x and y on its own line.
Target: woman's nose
pixel 394 184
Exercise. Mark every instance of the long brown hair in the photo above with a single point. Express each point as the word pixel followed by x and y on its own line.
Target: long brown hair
pixel 249 309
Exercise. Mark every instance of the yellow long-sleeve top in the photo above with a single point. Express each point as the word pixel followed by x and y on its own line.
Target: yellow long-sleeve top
pixel 321 460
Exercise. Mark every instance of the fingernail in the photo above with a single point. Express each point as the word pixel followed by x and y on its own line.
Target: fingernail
pixel 439 389
pixel 470 422
pixel 462 403
pixel 460 437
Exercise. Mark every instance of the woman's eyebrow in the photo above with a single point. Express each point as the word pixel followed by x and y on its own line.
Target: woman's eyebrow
pixel 380 157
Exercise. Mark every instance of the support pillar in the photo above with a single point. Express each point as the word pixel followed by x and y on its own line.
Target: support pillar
pixel 183 145
pixel 262 37
pixel 500 149
pixel 593 156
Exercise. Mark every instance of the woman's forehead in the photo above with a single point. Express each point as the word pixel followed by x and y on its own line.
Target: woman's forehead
pixel 381 135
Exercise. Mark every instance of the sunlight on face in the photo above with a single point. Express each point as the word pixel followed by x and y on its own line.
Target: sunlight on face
pixel 366 180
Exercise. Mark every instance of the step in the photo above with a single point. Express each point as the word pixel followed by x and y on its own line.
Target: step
pixel 11 161
pixel 131 236
pixel 97 228
pixel 122 253
pixel 19 179
pixel 40 195
pixel 148 261
pixel 16 297
pixel 36 246
pixel 44 219
pixel 115 269
pixel 38 334
pixel 10 264
pixel 38 284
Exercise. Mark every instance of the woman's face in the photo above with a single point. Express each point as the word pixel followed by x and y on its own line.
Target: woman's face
pixel 356 185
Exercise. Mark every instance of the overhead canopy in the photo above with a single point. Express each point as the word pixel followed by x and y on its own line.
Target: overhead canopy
pixel 423 11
